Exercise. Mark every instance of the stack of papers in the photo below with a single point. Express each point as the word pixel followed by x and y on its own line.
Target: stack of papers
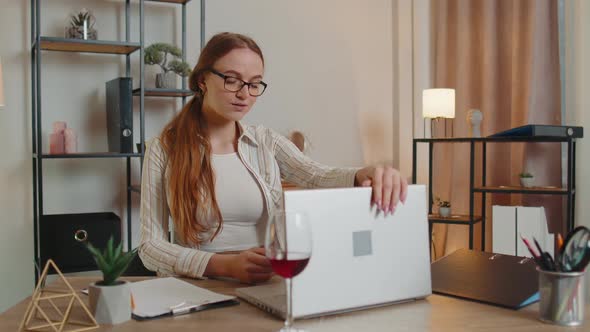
pixel 170 296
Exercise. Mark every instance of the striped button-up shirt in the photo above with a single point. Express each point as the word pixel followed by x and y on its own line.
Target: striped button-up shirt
pixel 268 155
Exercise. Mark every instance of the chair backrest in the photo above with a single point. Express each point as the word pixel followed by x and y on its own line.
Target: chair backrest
pixel 298 139
pixel 137 269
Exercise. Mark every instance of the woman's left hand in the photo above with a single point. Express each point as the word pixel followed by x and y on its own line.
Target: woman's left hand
pixel 389 187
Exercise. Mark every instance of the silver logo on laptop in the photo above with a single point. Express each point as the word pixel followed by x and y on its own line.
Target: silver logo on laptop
pixel 362 244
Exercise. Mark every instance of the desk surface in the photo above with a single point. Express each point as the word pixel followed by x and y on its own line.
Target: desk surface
pixel 436 313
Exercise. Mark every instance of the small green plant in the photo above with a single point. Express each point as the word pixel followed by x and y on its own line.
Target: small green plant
pixel 525 175
pixel 112 261
pixel 82 25
pixel 78 19
pixel 157 54
pixel 442 203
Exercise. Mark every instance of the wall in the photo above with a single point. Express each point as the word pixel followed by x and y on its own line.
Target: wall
pixel 577 99
pixel 329 65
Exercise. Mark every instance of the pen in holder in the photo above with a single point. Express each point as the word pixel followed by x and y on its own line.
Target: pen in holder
pixel 561 297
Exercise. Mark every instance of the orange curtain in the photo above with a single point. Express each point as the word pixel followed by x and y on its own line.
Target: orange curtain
pixel 502 57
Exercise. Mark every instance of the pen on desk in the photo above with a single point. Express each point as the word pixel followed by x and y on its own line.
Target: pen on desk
pixel 546 259
pixel 538 258
pixel 186 307
pixel 538 246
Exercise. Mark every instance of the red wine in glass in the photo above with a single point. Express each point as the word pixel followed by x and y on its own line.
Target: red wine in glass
pixel 288 246
pixel 290 266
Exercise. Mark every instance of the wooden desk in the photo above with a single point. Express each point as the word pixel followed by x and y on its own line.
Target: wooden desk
pixel 436 313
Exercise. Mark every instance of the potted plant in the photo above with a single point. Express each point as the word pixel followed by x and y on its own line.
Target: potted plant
pixel 82 25
pixel 526 179
pixel 444 207
pixel 157 54
pixel 110 298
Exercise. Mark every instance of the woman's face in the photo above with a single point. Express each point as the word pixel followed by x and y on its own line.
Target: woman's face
pixel 219 104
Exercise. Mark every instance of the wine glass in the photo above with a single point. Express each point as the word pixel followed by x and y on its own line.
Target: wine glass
pixel 288 247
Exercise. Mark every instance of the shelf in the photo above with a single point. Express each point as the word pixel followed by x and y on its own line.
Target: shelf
pixel 535 139
pixel 522 190
pixel 135 188
pixel 90 155
pixel 165 92
pixel 87 46
pixel 457 219
pixel 171 1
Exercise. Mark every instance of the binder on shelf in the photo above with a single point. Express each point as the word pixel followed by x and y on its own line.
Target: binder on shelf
pixel 534 130
pixel 497 279
pixel 504 236
pixel 119 103
pixel 510 222
pixel 532 223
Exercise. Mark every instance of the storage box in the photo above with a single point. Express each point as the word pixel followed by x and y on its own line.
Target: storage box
pixel 62 238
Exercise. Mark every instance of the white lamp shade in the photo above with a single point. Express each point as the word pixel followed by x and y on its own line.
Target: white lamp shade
pixel 2 103
pixel 438 103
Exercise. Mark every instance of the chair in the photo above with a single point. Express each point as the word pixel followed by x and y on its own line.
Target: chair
pixel 137 269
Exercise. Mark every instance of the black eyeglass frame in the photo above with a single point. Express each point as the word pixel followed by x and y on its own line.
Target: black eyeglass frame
pixel 225 77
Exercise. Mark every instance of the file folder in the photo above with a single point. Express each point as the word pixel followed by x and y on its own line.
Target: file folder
pixel 497 279
pixel 161 297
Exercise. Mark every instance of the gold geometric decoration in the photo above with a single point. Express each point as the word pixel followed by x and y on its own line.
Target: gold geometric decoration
pixel 56 309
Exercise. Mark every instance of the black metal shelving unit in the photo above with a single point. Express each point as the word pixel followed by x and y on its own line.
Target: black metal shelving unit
pixel 40 44
pixel 183 92
pixel 471 219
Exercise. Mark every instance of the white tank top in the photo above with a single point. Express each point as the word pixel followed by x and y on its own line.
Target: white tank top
pixel 240 200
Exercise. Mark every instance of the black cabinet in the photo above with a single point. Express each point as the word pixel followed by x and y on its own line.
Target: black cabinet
pixel 63 237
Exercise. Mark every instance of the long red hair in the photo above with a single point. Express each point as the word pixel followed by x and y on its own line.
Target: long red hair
pixel 191 182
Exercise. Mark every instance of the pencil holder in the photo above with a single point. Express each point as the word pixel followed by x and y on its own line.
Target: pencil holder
pixel 561 297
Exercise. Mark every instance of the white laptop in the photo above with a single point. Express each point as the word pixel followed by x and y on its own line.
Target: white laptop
pixel 360 258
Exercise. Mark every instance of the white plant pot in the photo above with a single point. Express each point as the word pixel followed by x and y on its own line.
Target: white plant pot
pixel 110 304
pixel 444 211
pixel 166 81
pixel 527 182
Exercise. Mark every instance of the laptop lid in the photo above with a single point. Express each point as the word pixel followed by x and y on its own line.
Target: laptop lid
pixel 360 257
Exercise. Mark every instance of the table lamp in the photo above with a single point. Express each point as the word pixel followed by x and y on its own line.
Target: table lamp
pixel 2 102
pixel 438 104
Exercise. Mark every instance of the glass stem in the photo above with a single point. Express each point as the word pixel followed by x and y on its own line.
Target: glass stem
pixel 289 320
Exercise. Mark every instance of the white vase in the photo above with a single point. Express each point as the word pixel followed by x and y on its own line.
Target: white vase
pixel 527 182
pixel 166 80
pixel 110 304
pixel 444 211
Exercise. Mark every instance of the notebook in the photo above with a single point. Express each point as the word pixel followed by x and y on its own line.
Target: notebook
pixel 502 280
pixel 159 297
pixel 361 257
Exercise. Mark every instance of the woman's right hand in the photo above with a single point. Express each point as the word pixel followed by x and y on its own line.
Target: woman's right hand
pixel 250 266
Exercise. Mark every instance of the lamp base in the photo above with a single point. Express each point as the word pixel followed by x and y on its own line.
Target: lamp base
pixel 435 122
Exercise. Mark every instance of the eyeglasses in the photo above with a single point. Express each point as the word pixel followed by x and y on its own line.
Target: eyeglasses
pixel 235 84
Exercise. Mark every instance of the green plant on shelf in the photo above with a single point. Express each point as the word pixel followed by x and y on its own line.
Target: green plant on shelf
pixel 525 175
pixel 82 25
pixel 112 261
pixel 157 54
pixel 78 19
pixel 441 203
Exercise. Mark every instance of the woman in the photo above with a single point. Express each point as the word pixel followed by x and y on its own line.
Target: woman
pixel 218 180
